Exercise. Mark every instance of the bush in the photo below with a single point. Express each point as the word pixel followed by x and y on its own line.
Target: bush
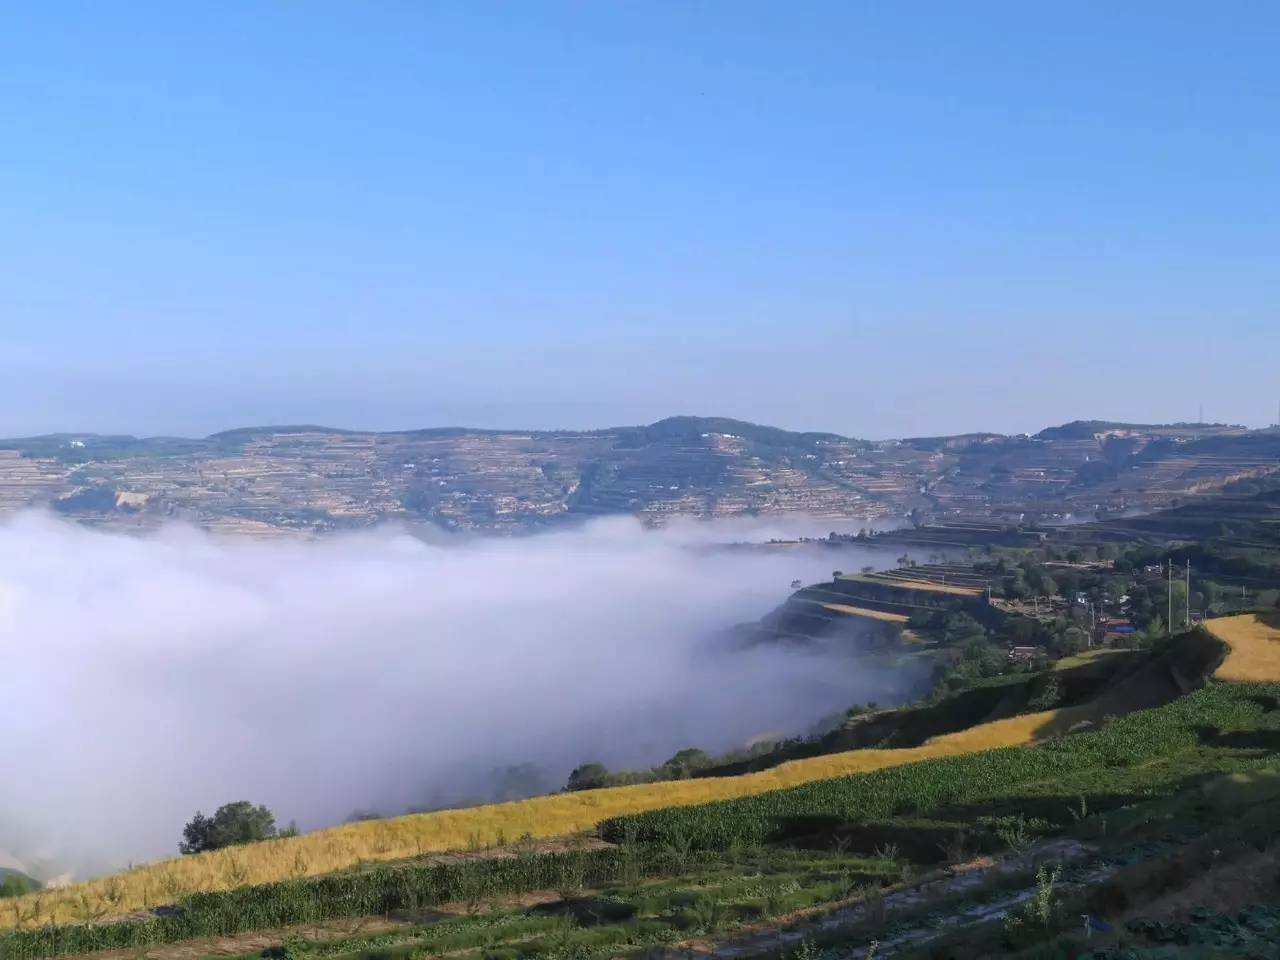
pixel 232 824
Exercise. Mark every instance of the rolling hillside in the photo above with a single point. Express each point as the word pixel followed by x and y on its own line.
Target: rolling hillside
pixel 308 479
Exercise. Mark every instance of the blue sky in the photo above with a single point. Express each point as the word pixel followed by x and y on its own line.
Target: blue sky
pixel 879 219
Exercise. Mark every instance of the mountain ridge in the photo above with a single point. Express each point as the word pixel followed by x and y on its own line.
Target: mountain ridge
pixel 1068 428
pixel 310 478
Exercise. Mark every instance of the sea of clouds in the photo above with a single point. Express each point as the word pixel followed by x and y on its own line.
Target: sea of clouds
pixel 145 677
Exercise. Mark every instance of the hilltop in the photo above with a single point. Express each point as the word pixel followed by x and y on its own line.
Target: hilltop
pixel 309 479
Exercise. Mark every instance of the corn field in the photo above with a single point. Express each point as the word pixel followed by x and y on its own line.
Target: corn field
pixel 372 892
pixel 1124 741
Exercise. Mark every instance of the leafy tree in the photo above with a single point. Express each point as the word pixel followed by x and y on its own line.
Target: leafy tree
pixel 588 776
pixel 686 763
pixel 517 781
pixel 1015 587
pixel 1071 640
pixel 962 630
pixel 232 824
pixel 16 885
pixel 1048 697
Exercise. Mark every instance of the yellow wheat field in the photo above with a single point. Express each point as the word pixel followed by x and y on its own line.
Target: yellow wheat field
pixel 1254 640
pixel 866 612
pixel 930 586
pixel 927 586
pixel 326 851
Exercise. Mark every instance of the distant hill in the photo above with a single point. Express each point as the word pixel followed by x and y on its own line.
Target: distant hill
pixel 309 479
pixel 1087 429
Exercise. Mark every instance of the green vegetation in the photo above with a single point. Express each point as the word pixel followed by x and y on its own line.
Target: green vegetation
pixel 1146 787
pixel 13 884
pixel 1094 757
pixel 232 824
pixel 686 763
pixel 700 892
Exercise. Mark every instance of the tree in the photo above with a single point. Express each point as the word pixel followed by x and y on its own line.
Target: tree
pixel 16 885
pixel 588 776
pixel 1072 640
pixel 685 763
pixel 232 824
pixel 1048 697
pixel 1015 587
pixel 517 781
pixel 962 630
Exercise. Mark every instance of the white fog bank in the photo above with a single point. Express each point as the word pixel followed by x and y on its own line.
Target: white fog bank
pixel 143 678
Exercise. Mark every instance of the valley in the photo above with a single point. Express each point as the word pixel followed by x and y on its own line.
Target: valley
pixel 1077 757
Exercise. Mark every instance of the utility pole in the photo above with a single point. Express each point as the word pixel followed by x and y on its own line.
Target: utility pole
pixel 1188 593
pixel 1169 622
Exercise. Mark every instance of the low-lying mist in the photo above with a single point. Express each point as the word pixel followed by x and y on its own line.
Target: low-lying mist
pixel 145 677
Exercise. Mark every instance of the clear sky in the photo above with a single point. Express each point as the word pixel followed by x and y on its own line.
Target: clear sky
pixel 874 218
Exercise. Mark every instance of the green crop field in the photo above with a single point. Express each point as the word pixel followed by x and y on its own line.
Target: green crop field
pixel 1123 743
